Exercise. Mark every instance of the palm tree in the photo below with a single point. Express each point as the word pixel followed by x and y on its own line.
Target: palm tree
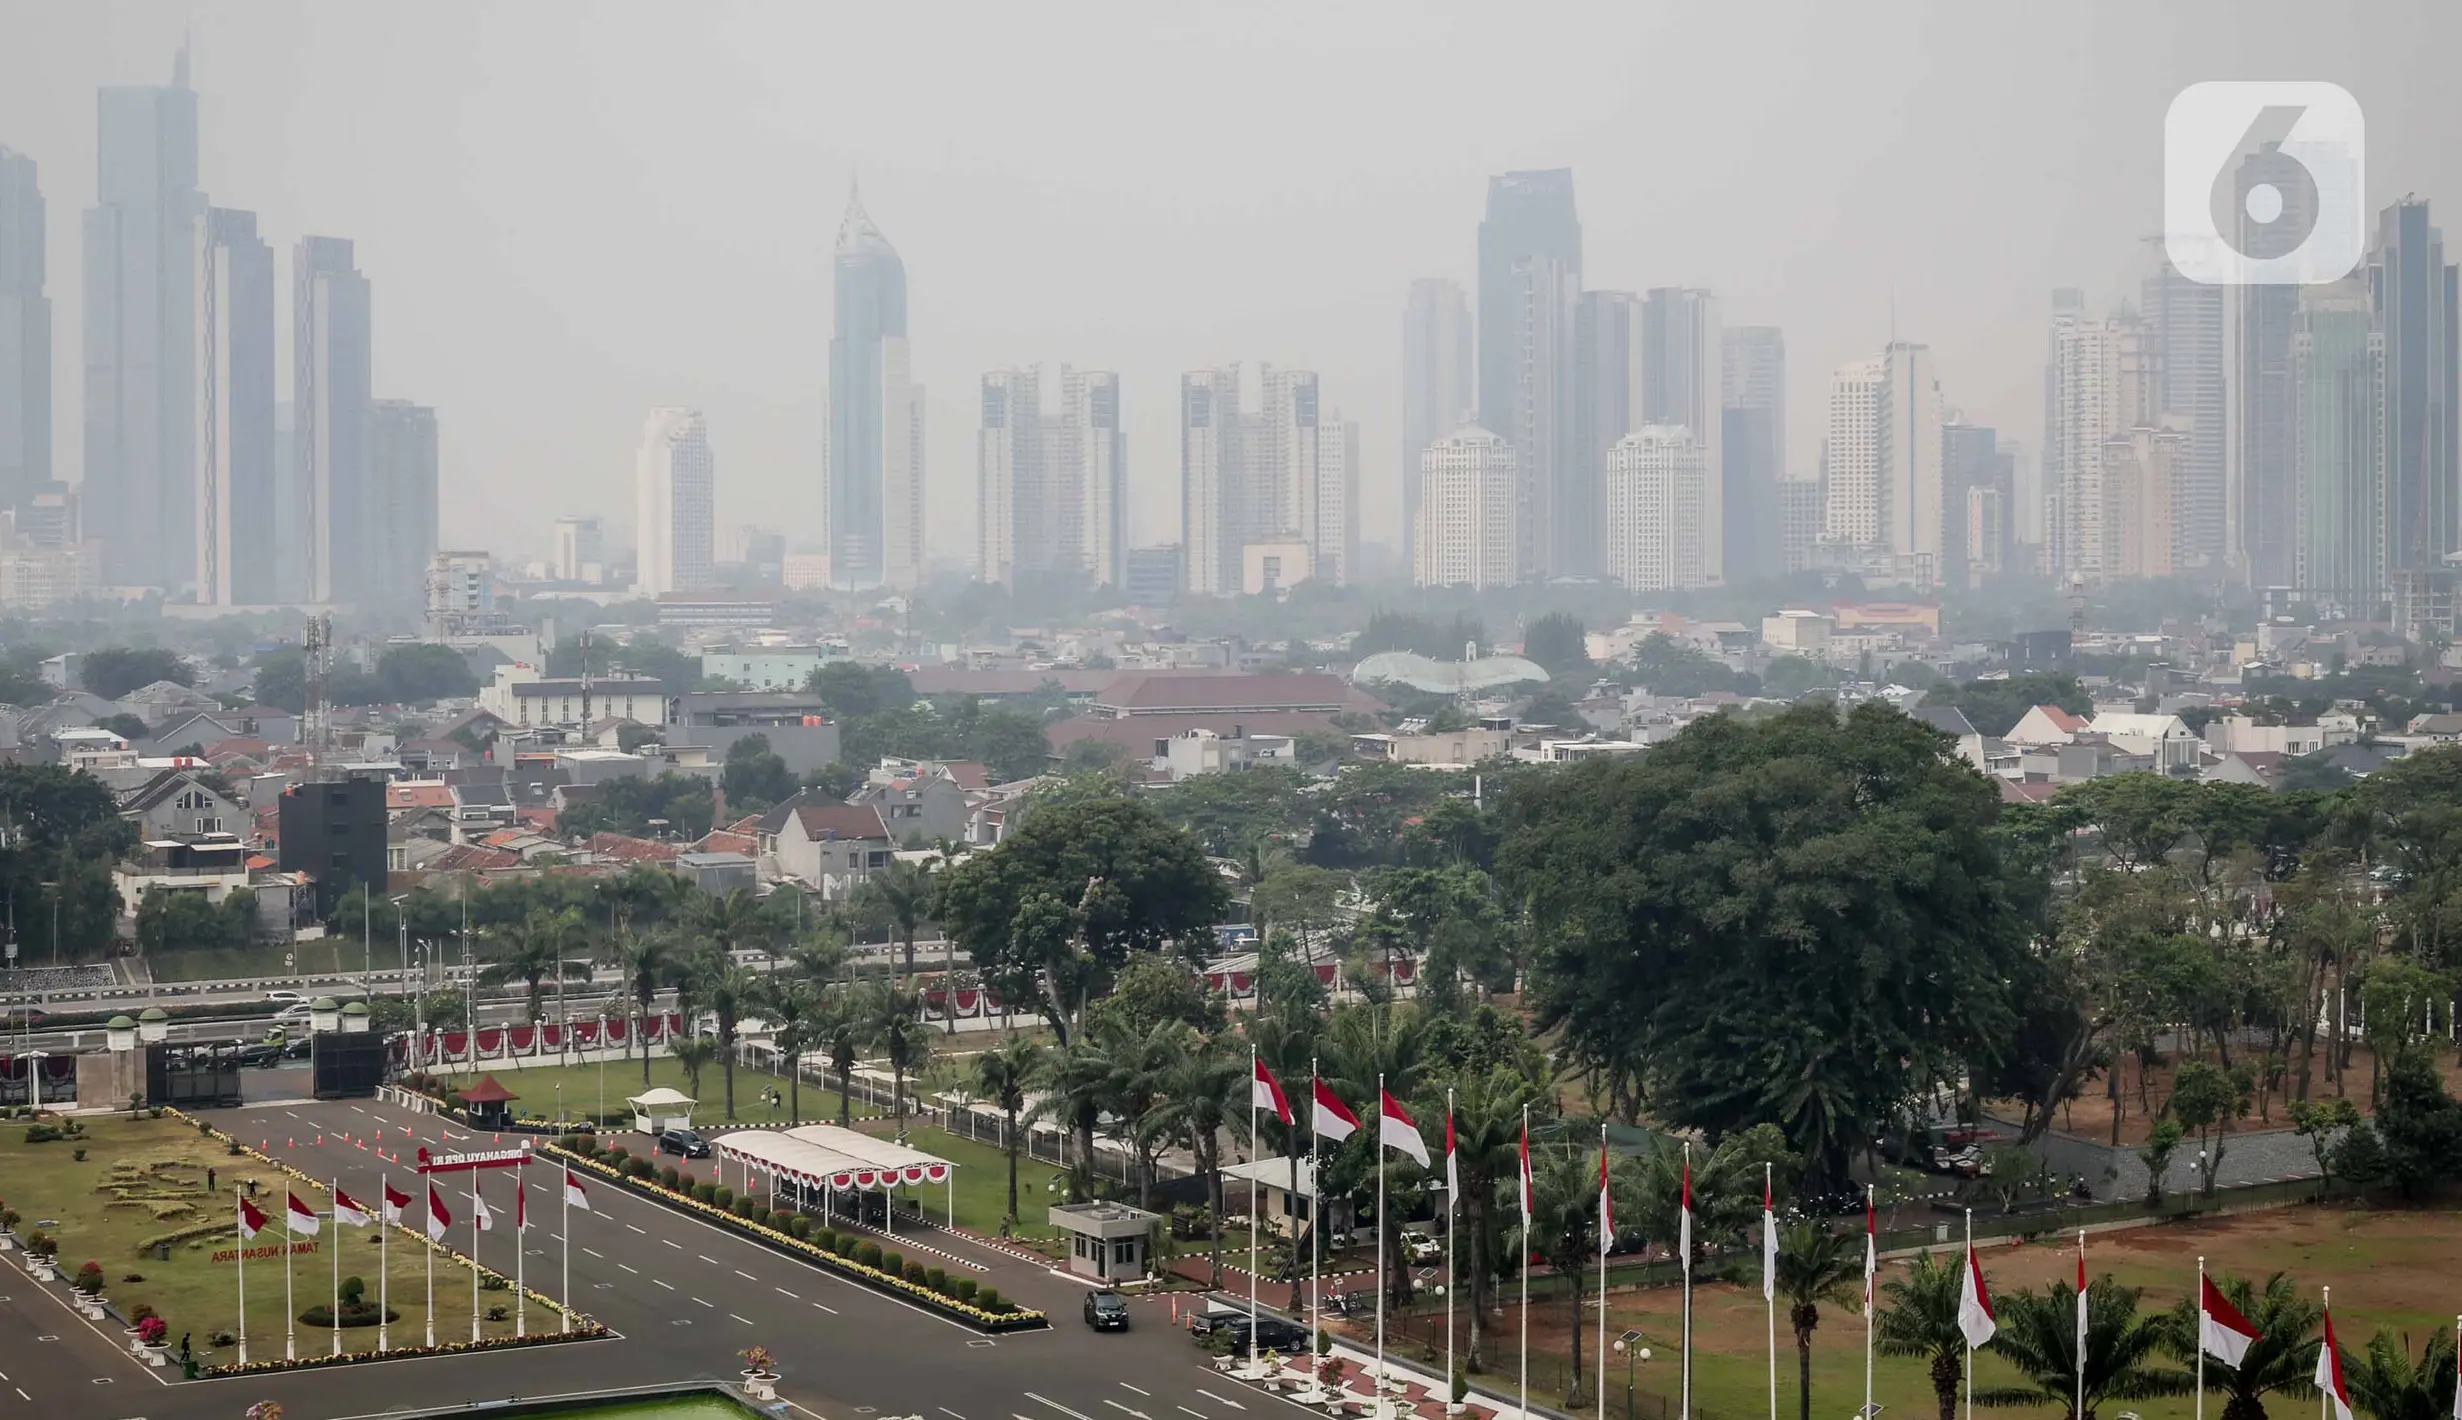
pixel 792 1003
pixel 1076 1086
pixel 729 990
pixel 2282 1358
pixel 1141 1065
pixel 2038 1335
pixel 897 1030
pixel 904 892
pixel 948 854
pixel 1922 1320
pixel 1564 1229
pixel 1202 1094
pixel 538 951
pixel 1003 1075
pixel 645 959
pixel 1815 1265
pixel 2386 1385
pixel 735 922
pixel 1487 1121
pixel 694 1054
pixel 839 1031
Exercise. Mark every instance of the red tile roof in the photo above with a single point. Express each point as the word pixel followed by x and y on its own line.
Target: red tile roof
pixel 418 796
pixel 624 848
pixel 840 820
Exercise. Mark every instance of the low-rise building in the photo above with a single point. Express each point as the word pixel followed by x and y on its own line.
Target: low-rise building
pixel 827 846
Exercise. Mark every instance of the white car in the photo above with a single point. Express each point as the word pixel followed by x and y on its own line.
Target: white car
pixel 284 996
pixel 298 1012
pixel 1420 1246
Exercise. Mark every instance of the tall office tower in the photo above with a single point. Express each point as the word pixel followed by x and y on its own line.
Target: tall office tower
pixel 139 271
pixel 2415 299
pixel 1908 436
pixel 1607 403
pixel 290 510
pixel 1529 283
pixel 1683 383
pixel 1279 458
pixel 2191 355
pixel 1752 447
pixel 1657 509
pixel 1212 520
pixel 330 370
pixel 25 336
pixel 237 549
pixel 2340 417
pixel 581 549
pixel 1851 457
pixel 1799 522
pixel 1012 502
pixel 675 504
pixel 2101 382
pixel 2268 320
pixel 402 500
pixel 2140 465
pixel 1097 457
pixel 1975 529
pixel 1051 488
pixel 1437 357
pixel 876 469
pixel 1470 499
pixel 1333 535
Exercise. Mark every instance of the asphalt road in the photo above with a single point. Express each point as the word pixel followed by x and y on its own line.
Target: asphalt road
pixel 684 1298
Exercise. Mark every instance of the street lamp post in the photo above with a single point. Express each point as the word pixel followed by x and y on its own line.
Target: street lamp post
pixel 1633 1355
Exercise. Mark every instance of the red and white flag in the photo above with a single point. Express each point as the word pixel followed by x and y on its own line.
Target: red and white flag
pixel 1975 1304
pixel 1684 1217
pixel 1769 1241
pixel 575 1196
pixel 347 1213
pixel 1530 1194
pixel 1395 1129
pixel 479 1209
pixel 1332 1120
pixel 521 1207
pixel 437 1218
pixel 2081 1292
pixel 251 1220
pixel 2329 1371
pixel 1872 1256
pixel 1607 1203
pixel 300 1218
pixel 2222 1332
pixel 1453 1166
pixel 395 1202
pixel 1266 1094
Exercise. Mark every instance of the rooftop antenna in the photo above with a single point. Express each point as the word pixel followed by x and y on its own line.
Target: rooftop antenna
pixel 317 645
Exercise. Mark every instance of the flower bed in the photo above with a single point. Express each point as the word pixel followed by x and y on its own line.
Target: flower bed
pixel 911 1284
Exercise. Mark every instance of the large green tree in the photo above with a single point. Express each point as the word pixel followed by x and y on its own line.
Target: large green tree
pixel 1799 920
pixel 114 671
pixel 1558 645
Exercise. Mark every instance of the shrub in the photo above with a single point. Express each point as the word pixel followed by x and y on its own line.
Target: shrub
pixel 799 1227
pixel 133 1277
pixel 639 1168
pixel 152 1330
pixel 617 1154
pixel 668 1177
pixel 936 1278
pixel 89 1278
pixel 724 1196
pixel 79 1156
pixel 142 1313
pixel 705 1192
pixel 8 1220
pixel 353 1289
pixel 966 1289
pixel 846 1245
pixel 991 1301
pixel 893 1264
pixel 232 1148
pixel 916 1274
pixel 868 1254
pixel 41 1134
pixel 42 1244
pixel 498 1313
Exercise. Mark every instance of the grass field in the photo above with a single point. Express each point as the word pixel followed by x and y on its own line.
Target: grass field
pixel 582 1088
pixel 2388 1268
pixel 145 1178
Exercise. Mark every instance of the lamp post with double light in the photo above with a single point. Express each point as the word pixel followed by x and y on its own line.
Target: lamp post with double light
pixel 1634 1353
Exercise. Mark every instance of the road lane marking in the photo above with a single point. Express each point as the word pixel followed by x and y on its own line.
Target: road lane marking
pixel 746 1275
pixel 594 1252
pixel 21 1394
pixel 705 1257
pixel 663 1282
pixel 1141 1415
pixel 1219 1400
pixel 744 1319
pixel 679 1247
pixel 1184 1410
pixel 945 1410
pixel 711 1306
pixel 1056 1405
pixel 783 1292
pixel 1124 1385
pixel 833 1311
pixel 630 1268
pixel 643 1231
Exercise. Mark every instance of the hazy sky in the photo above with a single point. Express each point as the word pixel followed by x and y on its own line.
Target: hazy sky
pixel 572 212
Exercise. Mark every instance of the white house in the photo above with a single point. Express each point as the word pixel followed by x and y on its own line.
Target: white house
pixel 2165 739
pixel 2047 725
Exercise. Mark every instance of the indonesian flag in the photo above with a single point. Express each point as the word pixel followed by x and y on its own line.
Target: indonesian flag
pixel 1607 1204
pixel 437 1218
pixel 1684 1218
pixel 347 1213
pixel 1975 1304
pixel 2329 1371
pixel 1872 1256
pixel 575 1196
pixel 1769 1242
pixel 521 1207
pixel 300 1218
pixel 2222 1332
pixel 1394 1129
pixel 478 1205
pixel 251 1220
pixel 1331 1119
pixel 2081 1292
pixel 395 1202
pixel 1530 1196
pixel 1453 1167
pixel 1267 1094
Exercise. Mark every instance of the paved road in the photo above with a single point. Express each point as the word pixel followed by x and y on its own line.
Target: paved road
pixel 685 1298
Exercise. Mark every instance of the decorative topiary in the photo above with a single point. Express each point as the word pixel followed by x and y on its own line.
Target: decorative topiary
pixel 846 1245
pixel 705 1193
pixel 893 1264
pixel 916 1274
pixel 724 1197
pixel 868 1254
pixel 89 1279
pixel 799 1227
pixel 936 1278
pixel 668 1177
pixel 991 1301
pixel 965 1289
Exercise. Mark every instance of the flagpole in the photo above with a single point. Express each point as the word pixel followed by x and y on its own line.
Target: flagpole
pixel 336 1255
pixel 425 1225
pixel 2325 1393
pixel 1525 1246
pixel 238 1202
pixel 477 1204
pixel 2201 1339
pixel 2079 1410
pixel 565 1226
pixel 1256 1219
pixel 1451 1280
pixel 1605 1222
pixel 1769 1289
pixel 1871 1263
pixel 1685 1408
pixel 1377 1387
pixel 1970 1345
pixel 290 1312
pixel 1316 1221
pixel 521 1254
pixel 384 1269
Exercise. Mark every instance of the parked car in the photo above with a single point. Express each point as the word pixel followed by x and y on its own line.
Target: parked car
pixel 1420 1246
pixel 1273 1333
pixel 684 1144
pixel 297 1012
pixel 1106 1311
pixel 284 996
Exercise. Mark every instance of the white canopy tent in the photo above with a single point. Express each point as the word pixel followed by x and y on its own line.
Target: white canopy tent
pixel 659 1110
pixel 831 1159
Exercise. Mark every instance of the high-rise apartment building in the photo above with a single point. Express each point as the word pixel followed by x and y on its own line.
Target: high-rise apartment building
pixel 1979 484
pixel 237 557
pixel 2415 298
pixel 331 364
pixel 402 500
pixel 876 469
pixel 1011 449
pixel 140 304
pixel 1800 511
pixel 2269 316
pixel 675 504
pixel 1657 509
pixel 1753 447
pixel 1851 457
pixel 1529 286
pixel 1094 448
pixel 2191 363
pixel 1607 405
pixel 2139 468
pixel 1469 502
pixel 1211 520
pixel 1437 363
pixel 2099 384
pixel 1908 435
pixel 580 550
pixel 25 335
pixel 2342 549
pixel 1683 384
pixel 1286 474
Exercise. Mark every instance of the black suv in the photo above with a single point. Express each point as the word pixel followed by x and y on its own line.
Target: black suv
pixel 1273 1334
pixel 684 1144
pixel 1106 1311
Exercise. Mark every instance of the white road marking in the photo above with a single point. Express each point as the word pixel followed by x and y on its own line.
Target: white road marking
pixel 1141 1415
pixel 663 1282
pixel 644 1232
pixel 679 1247
pixel 783 1292
pixel 21 1394
pixel 744 1319
pixel 705 1257
pixel 630 1268
pixel 1219 1400
pixel 1056 1405
pixel 945 1410
pixel 711 1306
pixel 594 1252
pixel 1124 1385
pixel 746 1275
pixel 833 1311
pixel 1184 1410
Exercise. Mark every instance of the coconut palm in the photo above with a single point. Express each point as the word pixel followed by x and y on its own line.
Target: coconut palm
pixel 2282 1358
pixel 898 1032
pixel 1204 1090
pixel 2038 1335
pixel 2386 1384
pixel 728 990
pixel 1141 1065
pixel 1815 1265
pixel 1004 1075
pixel 838 1031
pixel 645 959
pixel 1564 1226
pixel 1487 1119
pixel 540 947
pixel 1076 1085
pixel 1922 1320
pixel 694 1054
pixel 904 892
pixel 791 1002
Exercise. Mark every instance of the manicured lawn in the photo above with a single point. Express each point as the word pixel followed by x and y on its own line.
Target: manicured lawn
pixel 145 1178
pixel 983 1186
pixel 320 957
pixel 582 1087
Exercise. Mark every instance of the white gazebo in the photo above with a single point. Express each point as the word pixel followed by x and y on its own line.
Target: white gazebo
pixel 831 1159
pixel 659 1110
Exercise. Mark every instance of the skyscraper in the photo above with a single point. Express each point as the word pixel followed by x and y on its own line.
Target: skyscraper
pixel 1096 449
pixel 2191 369
pixel 1978 483
pixel 2268 320
pixel 331 357
pixel 1211 520
pixel 1437 357
pixel 1012 531
pixel 876 478
pixel 236 554
pixel 140 304
pixel 2415 297
pixel 581 549
pixel 1683 384
pixel 1752 447
pixel 1470 499
pixel 402 498
pixel 1657 502
pixel 25 335
pixel 1286 473
pixel 674 509
pixel 2140 466
pixel 2338 438
pixel 2099 384
pixel 1607 405
pixel 1529 283
pixel 1851 459
pixel 1907 436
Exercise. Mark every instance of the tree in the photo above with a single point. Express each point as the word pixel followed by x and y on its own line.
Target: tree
pixel 1815 1265
pixel 839 1030
pixel 1070 893
pixel 1076 1087
pixel 2387 1385
pixel 904 893
pixel 2038 1335
pixel 418 675
pixel 2283 1356
pixel 791 1001
pixel 729 991
pixel 185 921
pixel 1564 1226
pixel 116 670
pixel 2323 1124
pixel 898 1032
pixel 1205 1091
pixel 755 776
pixel 1995 706
pixel 2161 1144
pixel 645 959
pixel 1666 666
pixel 2204 1095
pixel 1681 901
pixel 2419 1124
pixel 1489 1108
pixel 629 805
pixel 1922 1320
pixel 849 690
pixel 693 1055
pixel 1004 1075
pixel 1558 645
pixel 128 727
pixel 1155 991
pixel 546 944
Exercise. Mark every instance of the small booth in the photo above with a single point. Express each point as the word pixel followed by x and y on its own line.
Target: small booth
pixel 659 1110
pixel 490 1104
pixel 1107 1241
